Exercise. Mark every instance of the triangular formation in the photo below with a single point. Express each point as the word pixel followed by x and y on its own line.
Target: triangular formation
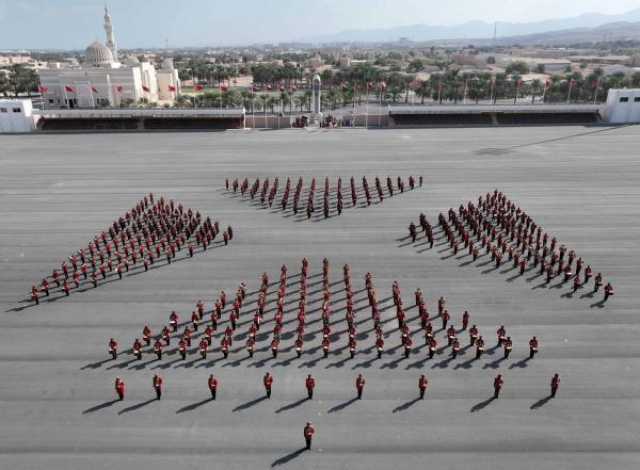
pixel 311 203
pixel 151 234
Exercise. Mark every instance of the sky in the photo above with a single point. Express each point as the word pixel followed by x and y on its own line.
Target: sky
pixel 73 24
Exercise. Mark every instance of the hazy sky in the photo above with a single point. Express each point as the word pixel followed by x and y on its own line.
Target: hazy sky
pixel 146 23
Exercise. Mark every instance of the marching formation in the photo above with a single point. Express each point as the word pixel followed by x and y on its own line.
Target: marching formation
pixel 332 198
pixel 503 230
pixel 226 322
pixel 152 232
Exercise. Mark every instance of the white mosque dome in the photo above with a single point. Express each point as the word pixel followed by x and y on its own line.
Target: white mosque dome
pixel 98 54
pixel 132 61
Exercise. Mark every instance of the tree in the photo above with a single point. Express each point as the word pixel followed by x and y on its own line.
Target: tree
pixel 4 83
pixel 517 67
pixel 416 65
pixel 423 90
pixel 22 80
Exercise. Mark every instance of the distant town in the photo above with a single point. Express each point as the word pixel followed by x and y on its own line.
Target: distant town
pixel 277 78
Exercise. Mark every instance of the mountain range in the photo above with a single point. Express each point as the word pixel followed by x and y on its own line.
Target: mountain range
pixel 586 25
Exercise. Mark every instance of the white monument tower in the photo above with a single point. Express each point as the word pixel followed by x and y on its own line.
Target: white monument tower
pixel 108 28
pixel 316 117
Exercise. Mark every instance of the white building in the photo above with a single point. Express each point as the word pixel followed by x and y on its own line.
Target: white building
pixel 16 116
pixel 101 80
pixel 623 106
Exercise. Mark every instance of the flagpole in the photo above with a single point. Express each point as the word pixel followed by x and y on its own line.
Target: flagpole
pixel 366 115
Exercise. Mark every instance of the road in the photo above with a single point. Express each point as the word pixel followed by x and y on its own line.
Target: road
pixel 56 392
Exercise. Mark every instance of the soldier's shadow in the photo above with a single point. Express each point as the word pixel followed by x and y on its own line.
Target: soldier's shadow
pixel 289 457
pixel 540 403
pixel 343 405
pixel 249 404
pixel 406 406
pixel 291 406
pixel 137 406
pixel 482 405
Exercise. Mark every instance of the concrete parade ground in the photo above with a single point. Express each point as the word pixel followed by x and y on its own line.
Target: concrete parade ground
pixel 57 408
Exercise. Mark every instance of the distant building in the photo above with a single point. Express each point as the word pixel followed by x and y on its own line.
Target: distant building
pixel 102 80
pixel 16 116
pixel 623 106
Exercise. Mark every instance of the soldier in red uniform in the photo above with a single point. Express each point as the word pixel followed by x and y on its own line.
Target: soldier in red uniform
pixel 274 347
pixel 379 346
pixel 157 348
pixel 608 291
pixel 408 344
pixel 157 385
pixel 433 346
pixel 224 347
pixel 173 321
pixel 137 348
pixel 203 346
pixel 310 384
pixel 501 333
pixel 251 345
pixel 473 335
pixel 146 335
pixel 445 318
pixel 113 348
pixel 555 383
pixel 360 381
pixel 533 347
pixel 413 232
pixel 455 348
pixel 498 382
pixel 120 388
pixel 213 386
pixel 182 347
pixel 299 344
pixel 451 334
pixel 308 433
pixel 465 320
pixel 267 381
pixel 508 346
pixel 422 385
pixel 479 347
pixel 325 345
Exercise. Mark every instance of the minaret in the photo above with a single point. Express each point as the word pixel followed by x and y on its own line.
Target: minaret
pixel 108 28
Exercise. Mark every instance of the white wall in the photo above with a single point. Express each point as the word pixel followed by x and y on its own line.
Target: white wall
pixel 623 106
pixel 16 116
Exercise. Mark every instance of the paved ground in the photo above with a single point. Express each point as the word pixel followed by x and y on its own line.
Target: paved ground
pixel 580 183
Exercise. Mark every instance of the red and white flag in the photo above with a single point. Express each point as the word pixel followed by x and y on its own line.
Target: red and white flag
pixel 172 88
pixel 69 89
pixel 43 89
pixel 198 87
pixel 94 89
pixel 146 88
pixel 119 88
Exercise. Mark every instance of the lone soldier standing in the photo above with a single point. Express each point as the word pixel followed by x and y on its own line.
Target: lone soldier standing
pixel 157 385
pixel 310 383
pixel 533 347
pixel 555 383
pixel 360 385
pixel 497 385
pixel 120 388
pixel 422 385
pixel 268 382
pixel 213 386
pixel 308 432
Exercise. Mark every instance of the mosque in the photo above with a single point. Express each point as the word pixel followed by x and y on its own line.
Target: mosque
pixel 101 80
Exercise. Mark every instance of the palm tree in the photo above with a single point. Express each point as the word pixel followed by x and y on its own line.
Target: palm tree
pixel 536 89
pixel 264 99
pixel 423 90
